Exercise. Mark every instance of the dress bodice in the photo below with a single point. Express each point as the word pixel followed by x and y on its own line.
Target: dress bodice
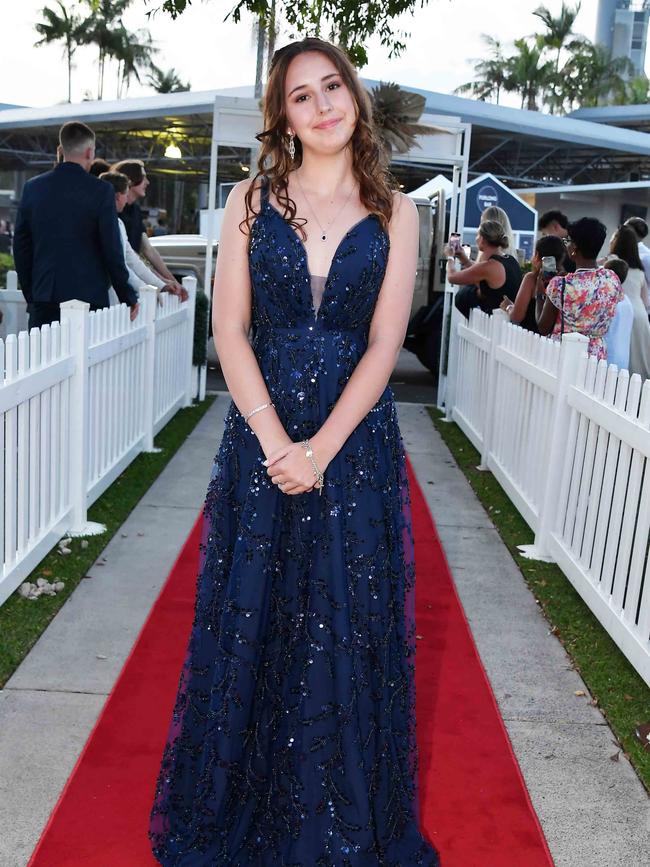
pixel 282 285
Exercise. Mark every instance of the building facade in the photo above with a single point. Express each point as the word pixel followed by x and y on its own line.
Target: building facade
pixel 622 27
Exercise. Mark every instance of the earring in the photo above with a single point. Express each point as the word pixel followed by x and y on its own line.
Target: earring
pixel 292 147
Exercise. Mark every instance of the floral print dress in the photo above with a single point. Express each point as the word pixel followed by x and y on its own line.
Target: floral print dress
pixel 589 305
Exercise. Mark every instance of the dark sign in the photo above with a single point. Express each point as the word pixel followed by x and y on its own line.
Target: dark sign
pixel 486 197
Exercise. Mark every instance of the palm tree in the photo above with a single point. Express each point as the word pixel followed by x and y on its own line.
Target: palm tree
pixel 593 77
pixel 490 73
pixel 104 27
pixel 135 53
pixel 166 80
pixel 527 74
pixel 558 31
pixel 396 113
pixel 637 90
pixel 61 26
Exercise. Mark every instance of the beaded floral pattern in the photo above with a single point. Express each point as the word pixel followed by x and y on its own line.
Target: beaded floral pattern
pixel 292 742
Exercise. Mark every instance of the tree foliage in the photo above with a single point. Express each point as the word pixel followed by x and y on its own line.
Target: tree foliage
pixel 396 113
pixel 556 70
pixel 60 24
pixel 351 23
pixel 166 80
pixel 99 25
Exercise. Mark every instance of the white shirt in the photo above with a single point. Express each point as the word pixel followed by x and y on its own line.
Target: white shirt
pixel 139 274
pixel 644 255
pixel 619 335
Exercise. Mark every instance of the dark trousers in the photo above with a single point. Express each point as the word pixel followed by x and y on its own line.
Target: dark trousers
pixel 466 299
pixel 45 313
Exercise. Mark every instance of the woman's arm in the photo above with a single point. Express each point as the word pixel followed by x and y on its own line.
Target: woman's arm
pixel 231 320
pixel 387 329
pixel 371 375
pixel 490 271
pixel 523 299
pixel 545 314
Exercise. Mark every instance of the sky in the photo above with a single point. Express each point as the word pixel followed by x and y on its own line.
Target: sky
pixel 211 53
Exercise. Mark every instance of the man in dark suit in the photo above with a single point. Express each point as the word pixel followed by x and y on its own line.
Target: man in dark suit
pixel 67 242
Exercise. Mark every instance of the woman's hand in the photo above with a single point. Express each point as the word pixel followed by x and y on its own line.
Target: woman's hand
pixel 507 305
pixel 290 468
pixel 449 251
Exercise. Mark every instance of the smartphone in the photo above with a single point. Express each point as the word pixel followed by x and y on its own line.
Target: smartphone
pixel 454 241
pixel 549 268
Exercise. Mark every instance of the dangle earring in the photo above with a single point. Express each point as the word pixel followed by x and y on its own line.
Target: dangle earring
pixel 292 147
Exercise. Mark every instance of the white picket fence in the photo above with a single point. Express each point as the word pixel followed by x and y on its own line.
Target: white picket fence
pixel 78 401
pixel 568 439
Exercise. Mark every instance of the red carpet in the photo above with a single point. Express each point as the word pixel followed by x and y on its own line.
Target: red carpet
pixel 474 804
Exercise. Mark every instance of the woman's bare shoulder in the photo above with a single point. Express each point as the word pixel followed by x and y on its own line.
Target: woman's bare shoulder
pixel 405 212
pixel 240 191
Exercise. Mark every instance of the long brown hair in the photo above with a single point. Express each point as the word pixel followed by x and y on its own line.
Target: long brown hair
pixel 626 247
pixel 369 163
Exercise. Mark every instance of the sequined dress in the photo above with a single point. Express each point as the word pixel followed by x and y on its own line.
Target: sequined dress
pixel 292 741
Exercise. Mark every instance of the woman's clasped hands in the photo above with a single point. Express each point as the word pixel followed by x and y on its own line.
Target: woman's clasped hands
pixel 290 469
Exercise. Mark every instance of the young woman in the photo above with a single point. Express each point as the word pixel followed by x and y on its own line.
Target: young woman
pixel 486 281
pixel 293 735
pixel 522 310
pixel 625 245
pixel 585 301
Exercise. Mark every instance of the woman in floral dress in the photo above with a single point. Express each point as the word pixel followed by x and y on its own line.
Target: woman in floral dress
pixel 584 301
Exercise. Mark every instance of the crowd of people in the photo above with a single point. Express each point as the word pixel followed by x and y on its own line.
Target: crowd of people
pixel 571 286
pixel 80 232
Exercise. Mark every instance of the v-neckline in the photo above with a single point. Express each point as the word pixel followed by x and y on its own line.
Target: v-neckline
pixel 305 257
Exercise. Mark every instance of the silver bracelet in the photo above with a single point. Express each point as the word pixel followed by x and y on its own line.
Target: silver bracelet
pixel 320 478
pixel 258 409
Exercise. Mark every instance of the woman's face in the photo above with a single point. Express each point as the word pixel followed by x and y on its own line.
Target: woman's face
pixel 320 109
pixel 612 243
pixel 480 242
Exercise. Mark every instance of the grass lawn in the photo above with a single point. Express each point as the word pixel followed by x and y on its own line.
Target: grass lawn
pixel 620 693
pixel 23 620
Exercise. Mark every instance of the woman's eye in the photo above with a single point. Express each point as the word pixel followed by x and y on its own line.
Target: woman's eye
pixel 334 84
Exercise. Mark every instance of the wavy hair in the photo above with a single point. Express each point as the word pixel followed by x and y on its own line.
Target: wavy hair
pixel 369 160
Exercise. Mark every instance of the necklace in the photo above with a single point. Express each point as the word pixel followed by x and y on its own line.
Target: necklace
pixel 323 235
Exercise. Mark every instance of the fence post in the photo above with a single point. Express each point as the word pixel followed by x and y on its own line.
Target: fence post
pixel 497 322
pixel 189 284
pixel 12 281
pixel 148 304
pixel 76 314
pixel 572 352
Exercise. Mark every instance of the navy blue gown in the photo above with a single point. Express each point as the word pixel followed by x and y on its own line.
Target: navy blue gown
pixel 292 742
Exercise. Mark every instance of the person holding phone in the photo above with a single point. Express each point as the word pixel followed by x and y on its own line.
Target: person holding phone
pixel 549 250
pixel 486 281
pixel 583 302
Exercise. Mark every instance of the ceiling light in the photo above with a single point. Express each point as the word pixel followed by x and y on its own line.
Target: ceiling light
pixel 245 168
pixel 173 152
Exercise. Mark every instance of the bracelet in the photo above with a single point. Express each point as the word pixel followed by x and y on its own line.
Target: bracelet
pixel 258 409
pixel 320 478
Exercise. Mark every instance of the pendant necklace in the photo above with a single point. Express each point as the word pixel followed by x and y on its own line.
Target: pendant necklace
pixel 323 235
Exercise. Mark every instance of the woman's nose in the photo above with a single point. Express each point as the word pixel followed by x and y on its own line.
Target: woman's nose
pixel 324 103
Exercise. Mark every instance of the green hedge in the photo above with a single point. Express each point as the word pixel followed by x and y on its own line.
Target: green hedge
pixel 201 312
pixel 6 264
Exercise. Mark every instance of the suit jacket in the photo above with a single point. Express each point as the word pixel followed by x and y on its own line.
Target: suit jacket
pixel 67 242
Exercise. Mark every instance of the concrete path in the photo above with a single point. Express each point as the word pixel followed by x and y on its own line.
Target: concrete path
pixel 594 811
